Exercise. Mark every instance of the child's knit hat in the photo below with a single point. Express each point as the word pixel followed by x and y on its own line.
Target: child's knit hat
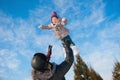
pixel 54 14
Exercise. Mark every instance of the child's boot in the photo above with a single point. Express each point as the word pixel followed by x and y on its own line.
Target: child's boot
pixel 75 50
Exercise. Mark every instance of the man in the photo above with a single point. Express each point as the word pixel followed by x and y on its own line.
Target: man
pixel 45 70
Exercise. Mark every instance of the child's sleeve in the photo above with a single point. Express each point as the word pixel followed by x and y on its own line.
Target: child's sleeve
pixel 46 27
pixel 64 21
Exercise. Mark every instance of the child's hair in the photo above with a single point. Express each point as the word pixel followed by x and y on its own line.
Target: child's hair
pixel 41 55
pixel 39 61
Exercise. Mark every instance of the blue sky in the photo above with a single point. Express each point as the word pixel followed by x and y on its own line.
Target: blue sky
pixel 94 26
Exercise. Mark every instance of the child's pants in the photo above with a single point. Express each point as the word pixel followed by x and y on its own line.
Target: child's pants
pixel 67 38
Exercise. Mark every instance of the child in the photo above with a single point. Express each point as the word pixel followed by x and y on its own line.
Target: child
pixel 60 32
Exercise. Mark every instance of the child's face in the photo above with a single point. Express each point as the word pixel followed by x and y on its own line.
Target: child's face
pixel 54 20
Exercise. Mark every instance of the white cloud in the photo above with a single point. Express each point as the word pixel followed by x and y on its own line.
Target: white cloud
pixel 95 15
pixel 7 35
pixel 8 60
pixel 63 5
pixel 111 30
pixel 2 75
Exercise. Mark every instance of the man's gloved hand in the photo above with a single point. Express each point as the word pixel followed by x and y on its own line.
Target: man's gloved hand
pixel 50 47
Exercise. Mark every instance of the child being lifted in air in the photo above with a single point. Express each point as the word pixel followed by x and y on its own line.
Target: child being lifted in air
pixel 60 32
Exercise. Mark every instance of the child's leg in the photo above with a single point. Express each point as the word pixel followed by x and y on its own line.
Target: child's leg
pixel 67 38
pixel 74 48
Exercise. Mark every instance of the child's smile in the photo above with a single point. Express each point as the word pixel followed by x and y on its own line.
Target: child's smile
pixel 54 20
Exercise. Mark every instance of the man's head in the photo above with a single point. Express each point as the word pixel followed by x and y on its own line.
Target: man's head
pixel 39 62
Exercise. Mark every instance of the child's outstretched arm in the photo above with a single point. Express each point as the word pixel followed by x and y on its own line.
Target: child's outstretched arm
pixel 45 27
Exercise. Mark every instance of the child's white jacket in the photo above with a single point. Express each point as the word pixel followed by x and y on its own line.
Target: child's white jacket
pixel 59 30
